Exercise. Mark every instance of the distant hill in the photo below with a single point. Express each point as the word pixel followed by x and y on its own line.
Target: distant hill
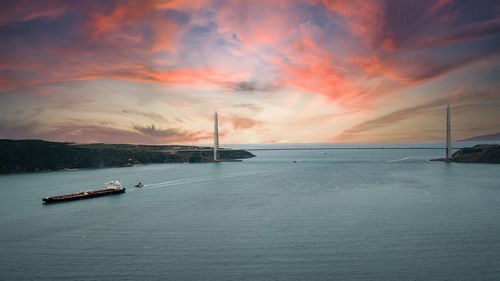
pixel 18 156
pixel 490 137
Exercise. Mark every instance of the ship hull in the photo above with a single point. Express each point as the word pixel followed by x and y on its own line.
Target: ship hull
pixel 83 195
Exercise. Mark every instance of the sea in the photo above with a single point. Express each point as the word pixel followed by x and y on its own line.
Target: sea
pixel 325 214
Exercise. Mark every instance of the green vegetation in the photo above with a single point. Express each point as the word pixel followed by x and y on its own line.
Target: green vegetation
pixel 481 153
pixel 18 156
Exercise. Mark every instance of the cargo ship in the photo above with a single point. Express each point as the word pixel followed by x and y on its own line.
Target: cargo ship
pixel 113 187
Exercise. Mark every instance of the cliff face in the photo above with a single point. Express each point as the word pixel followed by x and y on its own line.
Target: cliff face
pixel 482 153
pixel 18 156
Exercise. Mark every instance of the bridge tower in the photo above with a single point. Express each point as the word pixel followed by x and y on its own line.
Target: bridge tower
pixel 448 134
pixel 216 137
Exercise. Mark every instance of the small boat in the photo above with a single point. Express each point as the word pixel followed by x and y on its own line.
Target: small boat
pixel 139 185
pixel 113 187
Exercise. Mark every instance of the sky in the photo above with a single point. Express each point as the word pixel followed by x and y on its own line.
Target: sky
pixel 154 72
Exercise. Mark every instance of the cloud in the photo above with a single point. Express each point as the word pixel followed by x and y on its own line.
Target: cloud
pixel 25 10
pixel 173 44
pixel 173 134
pixel 244 86
pixel 438 5
pixel 414 25
pixel 434 71
pixel 151 115
pixel 250 106
pixel 15 130
pixel 84 132
pixel 417 70
pixel 107 123
pixel 156 132
pixel 457 98
pixel 352 54
pixel 250 86
pixel 242 123
pixel 472 31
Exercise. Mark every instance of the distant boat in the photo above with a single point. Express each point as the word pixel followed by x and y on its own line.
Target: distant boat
pixel 113 187
pixel 139 185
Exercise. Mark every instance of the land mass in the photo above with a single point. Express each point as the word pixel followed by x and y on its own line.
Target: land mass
pixel 481 153
pixel 490 137
pixel 17 156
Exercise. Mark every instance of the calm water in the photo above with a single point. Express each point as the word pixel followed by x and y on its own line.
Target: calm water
pixel 344 215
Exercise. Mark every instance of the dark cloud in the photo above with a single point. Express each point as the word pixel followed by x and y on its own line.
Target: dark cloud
pixel 250 86
pixel 15 11
pixel 470 32
pixel 433 70
pixel 173 134
pixel 157 132
pixel 408 25
pixel 178 17
pixel 244 86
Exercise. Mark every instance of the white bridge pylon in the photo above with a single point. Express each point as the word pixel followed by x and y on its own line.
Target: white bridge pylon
pixel 216 137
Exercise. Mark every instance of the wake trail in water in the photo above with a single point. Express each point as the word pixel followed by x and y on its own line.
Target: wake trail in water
pixel 201 179
pixel 175 182
pixel 405 158
pixel 179 181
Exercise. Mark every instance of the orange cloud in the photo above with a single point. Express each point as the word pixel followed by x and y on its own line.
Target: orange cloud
pixel 126 23
pixel 242 123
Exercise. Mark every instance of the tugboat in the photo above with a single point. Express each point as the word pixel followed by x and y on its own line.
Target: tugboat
pixel 139 185
pixel 113 187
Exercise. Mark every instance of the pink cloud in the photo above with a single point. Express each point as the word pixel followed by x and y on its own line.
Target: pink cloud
pixel 242 123
pixel 355 53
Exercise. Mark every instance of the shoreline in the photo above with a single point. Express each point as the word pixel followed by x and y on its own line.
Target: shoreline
pixel 478 154
pixel 21 156
pixel 113 167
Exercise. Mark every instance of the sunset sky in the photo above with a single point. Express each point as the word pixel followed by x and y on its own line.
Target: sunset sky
pixel 154 72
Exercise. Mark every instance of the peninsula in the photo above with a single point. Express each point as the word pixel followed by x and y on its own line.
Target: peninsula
pixel 481 153
pixel 17 156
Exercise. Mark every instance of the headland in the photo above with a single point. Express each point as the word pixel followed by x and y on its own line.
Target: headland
pixel 17 156
pixel 481 153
